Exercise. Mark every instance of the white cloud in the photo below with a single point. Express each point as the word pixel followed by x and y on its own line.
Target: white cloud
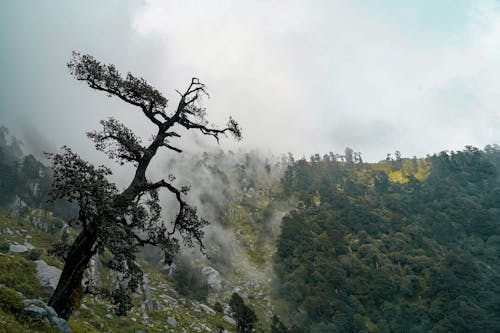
pixel 308 77
pixel 300 76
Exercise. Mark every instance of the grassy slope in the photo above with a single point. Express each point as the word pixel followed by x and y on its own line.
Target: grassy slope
pixel 17 273
pixel 250 276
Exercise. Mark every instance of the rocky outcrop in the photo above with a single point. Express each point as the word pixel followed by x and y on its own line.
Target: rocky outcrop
pixel 171 321
pixel 229 320
pixel 213 278
pixel 18 248
pixel 39 311
pixel 94 273
pixel 7 231
pixel 207 309
pixel 47 275
pixel 38 222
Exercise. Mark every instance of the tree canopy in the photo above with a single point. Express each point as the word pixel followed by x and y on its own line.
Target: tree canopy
pixel 402 245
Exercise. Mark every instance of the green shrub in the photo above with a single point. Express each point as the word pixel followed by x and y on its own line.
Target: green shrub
pixel 245 317
pixel 10 324
pixel 4 246
pixel 218 307
pixel 189 281
pixel 57 224
pixel 33 254
pixel 9 301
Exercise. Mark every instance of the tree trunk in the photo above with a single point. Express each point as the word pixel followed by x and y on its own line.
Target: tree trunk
pixel 69 289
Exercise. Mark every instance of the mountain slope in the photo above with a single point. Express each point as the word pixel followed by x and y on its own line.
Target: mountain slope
pixel 367 252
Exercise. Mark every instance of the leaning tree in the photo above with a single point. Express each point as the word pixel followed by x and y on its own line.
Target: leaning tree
pixel 122 221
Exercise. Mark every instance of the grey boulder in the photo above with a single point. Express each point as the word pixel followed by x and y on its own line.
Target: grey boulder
pixel 47 275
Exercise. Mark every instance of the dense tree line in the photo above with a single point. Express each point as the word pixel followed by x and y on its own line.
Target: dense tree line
pixel 365 253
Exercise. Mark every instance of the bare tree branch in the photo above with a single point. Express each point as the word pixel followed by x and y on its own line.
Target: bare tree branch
pixel 172 148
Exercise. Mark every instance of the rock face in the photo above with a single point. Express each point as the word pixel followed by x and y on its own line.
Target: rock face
pixel 213 278
pixel 47 275
pixel 95 274
pixel 229 320
pixel 7 231
pixel 16 206
pixel 17 248
pixel 208 309
pixel 40 311
pixel 37 222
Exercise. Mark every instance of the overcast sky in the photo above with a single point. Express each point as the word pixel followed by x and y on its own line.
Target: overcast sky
pixel 299 76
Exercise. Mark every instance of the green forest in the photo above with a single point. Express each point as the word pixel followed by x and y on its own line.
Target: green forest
pixel 403 245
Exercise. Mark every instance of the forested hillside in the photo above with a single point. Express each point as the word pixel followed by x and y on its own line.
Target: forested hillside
pixel 329 244
pixel 403 245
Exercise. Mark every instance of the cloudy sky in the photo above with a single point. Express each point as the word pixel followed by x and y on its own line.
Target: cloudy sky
pixel 300 76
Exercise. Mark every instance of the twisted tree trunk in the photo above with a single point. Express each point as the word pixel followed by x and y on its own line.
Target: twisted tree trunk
pixel 69 289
